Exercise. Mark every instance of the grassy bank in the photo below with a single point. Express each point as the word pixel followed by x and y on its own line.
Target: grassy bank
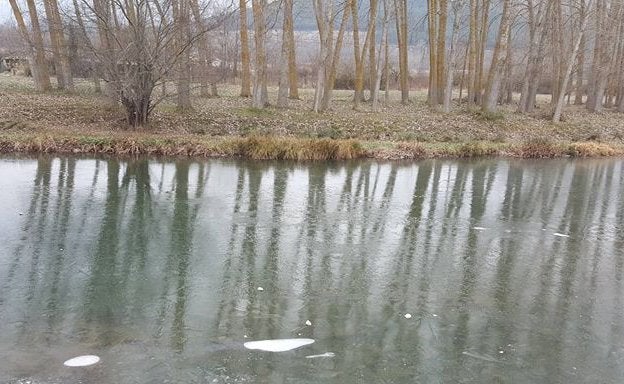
pixel 288 148
pixel 86 123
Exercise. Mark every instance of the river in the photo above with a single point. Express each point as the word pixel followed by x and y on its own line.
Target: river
pixel 488 271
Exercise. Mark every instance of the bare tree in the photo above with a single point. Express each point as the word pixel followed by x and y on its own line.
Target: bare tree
pixel 39 65
pixel 329 50
pixel 498 61
pixel 558 108
pixel 142 43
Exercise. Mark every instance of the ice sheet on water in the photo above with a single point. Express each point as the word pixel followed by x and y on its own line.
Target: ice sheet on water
pixel 326 354
pixel 278 345
pixel 82 361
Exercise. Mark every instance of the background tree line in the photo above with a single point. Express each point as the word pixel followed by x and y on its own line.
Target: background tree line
pixel 480 53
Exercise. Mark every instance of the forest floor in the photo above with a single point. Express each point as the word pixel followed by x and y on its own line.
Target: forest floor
pixel 226 126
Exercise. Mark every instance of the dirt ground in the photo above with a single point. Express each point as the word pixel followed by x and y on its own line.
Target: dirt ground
pixel 229 115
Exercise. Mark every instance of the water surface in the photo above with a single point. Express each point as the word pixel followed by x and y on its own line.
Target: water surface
pixel 510 271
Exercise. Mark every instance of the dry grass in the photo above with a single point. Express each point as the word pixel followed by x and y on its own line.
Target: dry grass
pixel 87 123
pixel 259 148
pixel 540 148
pixel 592 149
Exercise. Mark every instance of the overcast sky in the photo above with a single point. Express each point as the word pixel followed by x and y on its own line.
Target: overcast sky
pixel 5 11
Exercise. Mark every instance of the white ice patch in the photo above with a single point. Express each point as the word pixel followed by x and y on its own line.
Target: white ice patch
pixel 560 235
pixel 82 361
pixel 278 345
pixel 326 354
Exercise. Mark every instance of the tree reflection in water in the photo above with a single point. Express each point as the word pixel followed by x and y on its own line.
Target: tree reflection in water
pixel 155 267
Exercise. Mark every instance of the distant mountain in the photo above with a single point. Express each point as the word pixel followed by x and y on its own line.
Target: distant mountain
pixel 305 21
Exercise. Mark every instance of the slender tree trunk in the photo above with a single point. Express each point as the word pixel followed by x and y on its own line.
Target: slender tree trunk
pixel 483 34
pixel 245 55
pixel 382 49
pixel 580 63
pixel 357 60
pixel 293 81
pixel 400 7
pixel 386 67
pixel 432 21
pixel 441 48
pixel 472 49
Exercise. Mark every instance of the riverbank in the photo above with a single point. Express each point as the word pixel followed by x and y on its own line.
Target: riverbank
pixel 86 123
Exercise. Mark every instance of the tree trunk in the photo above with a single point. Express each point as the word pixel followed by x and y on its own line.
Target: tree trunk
pixel 259 95
pixel 448 91
pixel 472 52
pixel 289 35
pixel 441 48
pixel 382 50
pixel 202 50
pixel 42 81
pixel 59 46
pixel 483 34
pixel 400 7
pixel 360 54
pixel 282 92
pixel 432 20
pixel 183 84
pixel 245 55
pixel 580 63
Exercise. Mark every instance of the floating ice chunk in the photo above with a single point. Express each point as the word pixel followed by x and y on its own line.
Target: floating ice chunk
pixel 479 228
pixel 408 316
pixel 82 361
pixel 560 234
pixel 260 289
pixel 326 354
pixel 278 345
pixel 308 322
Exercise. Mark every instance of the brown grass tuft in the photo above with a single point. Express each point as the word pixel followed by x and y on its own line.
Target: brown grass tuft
pixel 591 149
pixel 539 148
